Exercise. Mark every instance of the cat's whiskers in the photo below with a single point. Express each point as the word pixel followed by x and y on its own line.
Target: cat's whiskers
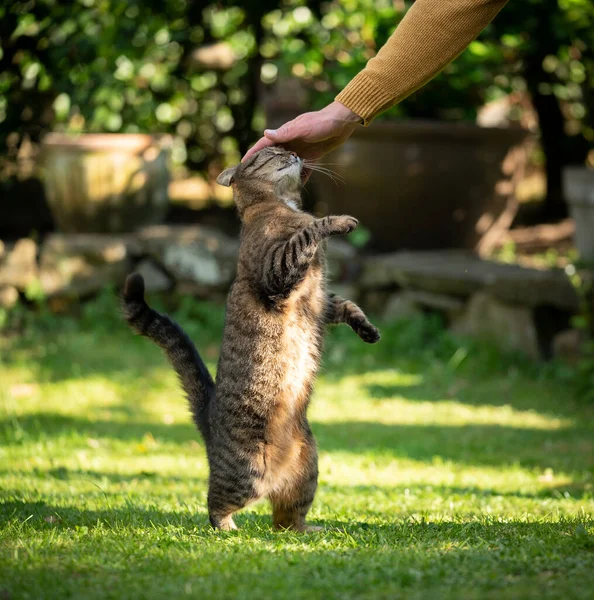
pixel 321 168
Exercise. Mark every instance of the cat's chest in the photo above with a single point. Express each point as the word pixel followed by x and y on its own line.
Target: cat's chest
pixel 301 344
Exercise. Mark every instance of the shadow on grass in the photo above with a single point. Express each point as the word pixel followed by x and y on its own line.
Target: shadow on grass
pixel 156 547
pixel 491 445
pixel 41 515
pixel 116 354
pixel 575 490
pixel 131 361
pixel 175 570
pixel 568 449
pixel 519 393
pixel 41 425
pixel 104 347
pixel 65 474
pixel 581 491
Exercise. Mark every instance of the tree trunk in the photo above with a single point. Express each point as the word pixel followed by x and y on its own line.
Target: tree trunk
pixel 553 144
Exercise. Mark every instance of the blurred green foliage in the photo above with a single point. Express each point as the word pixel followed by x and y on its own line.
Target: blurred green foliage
pixel 127 66
pixel 326 53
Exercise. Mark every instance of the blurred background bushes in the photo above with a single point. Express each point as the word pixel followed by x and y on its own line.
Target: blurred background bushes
pixel 200 70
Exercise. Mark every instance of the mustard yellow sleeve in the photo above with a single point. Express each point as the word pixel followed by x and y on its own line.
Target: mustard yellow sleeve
pixel 429 37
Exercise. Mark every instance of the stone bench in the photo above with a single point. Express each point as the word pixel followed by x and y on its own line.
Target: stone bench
pixel 519 308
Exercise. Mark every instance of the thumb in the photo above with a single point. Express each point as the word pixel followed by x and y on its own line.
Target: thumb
pixel 282 134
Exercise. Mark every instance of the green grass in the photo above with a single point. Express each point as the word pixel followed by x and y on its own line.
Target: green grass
pixel 446 471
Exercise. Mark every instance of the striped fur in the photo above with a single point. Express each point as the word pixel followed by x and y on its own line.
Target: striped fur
pixel 258 440
pixel 196 381
pixel 344 311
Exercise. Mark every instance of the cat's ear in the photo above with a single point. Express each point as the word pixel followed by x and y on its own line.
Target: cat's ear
pixel 226 177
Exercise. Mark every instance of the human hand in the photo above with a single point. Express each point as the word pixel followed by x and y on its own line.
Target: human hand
pixel 312 134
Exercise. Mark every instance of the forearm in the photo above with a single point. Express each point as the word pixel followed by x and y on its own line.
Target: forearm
pixel 429 37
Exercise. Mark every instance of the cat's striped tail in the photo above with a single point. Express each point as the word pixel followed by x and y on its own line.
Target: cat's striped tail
pixel 178 347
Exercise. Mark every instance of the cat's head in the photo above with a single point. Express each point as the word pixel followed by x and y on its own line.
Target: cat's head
pixel 272 167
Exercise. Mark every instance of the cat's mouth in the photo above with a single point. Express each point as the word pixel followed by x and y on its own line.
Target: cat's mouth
pixel 295 162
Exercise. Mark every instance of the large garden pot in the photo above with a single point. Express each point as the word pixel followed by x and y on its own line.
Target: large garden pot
pixel 578 187
pixel 105 183
pixel 422 185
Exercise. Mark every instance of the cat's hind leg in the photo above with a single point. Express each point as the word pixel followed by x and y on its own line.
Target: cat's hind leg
pixel 231 487
pixel 292 501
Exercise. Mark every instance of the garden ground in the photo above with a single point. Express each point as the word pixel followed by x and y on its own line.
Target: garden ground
pixel 446 470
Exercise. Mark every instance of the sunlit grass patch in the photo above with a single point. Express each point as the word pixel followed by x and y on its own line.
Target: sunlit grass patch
pixel 443 474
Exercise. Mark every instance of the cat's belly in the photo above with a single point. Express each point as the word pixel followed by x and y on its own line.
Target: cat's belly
pixel 300 363
pixel 283 464
pixel 273 378
pixel 299 360
pixel 302 325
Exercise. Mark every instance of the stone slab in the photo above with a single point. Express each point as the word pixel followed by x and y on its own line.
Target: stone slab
pixel 461 274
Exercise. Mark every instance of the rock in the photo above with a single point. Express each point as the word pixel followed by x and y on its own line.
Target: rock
pixel 507 326
pixel 339 249
pixel 447 304
pixel 461 274
pixel 578 189
pixel 400 306
pixel 405 304
pixel 155 280
pixel 200 256
pixel 9 296
pixel 18 266
pixel 568 345
pixel 134 248
pixel 342 261
pixel 202 292
pixel 374 302
pixel 345 290
pixel 82 264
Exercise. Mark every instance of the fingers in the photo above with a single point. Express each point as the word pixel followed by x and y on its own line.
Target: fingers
pixel 272 137
pixel 283 134
pixel 308 128
pixel 311 135
pixel 259 145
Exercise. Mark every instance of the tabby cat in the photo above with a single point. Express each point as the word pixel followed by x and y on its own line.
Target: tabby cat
pixel 253 420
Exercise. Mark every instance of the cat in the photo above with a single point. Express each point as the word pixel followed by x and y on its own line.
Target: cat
pixel 253 420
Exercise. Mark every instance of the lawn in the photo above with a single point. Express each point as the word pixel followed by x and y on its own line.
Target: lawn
pixel 446 471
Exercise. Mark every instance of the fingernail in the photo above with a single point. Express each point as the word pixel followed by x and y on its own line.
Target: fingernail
pixel 270 132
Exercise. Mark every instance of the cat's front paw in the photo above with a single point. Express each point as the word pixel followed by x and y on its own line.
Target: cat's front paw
pixel 342 224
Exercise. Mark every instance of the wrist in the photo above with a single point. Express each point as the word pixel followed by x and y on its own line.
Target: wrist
pixel 342 113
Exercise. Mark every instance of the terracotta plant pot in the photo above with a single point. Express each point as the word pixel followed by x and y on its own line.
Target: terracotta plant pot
pixel 105 183
pixel 422 185
pixel 578 186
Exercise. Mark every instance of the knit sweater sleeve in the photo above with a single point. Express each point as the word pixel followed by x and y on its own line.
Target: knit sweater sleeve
pixel 429 37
